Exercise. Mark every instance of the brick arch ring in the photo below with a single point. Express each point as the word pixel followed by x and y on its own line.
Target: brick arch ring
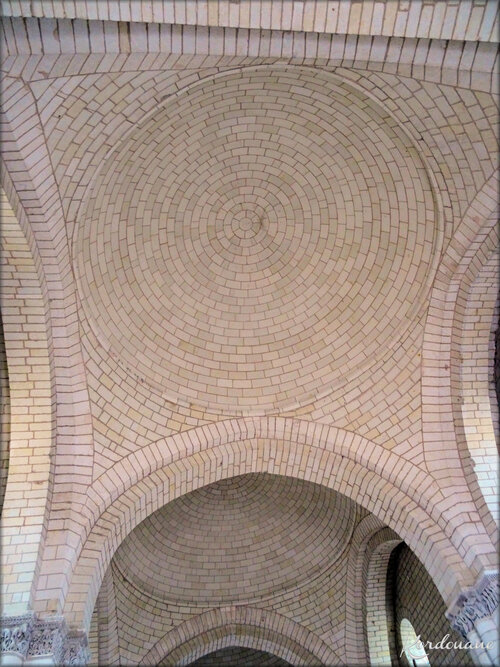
pixel 251 627
pixel 400 494
pixel 466 253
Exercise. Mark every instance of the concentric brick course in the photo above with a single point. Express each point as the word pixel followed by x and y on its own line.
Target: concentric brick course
pixel 238 251
pixel 242 538
pixel 223 222
pixel 133 414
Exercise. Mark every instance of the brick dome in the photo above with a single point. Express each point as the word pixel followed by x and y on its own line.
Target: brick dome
pixel 241 539
pixel 259 239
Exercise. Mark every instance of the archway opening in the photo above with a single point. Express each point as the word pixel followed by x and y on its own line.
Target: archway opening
pixel 281 446
pixel 413 646
pixel 239 655
pixel 264 542
pixel 418 616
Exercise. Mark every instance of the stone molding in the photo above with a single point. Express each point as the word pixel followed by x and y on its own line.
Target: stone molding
pixel 32 637
pixel 479 602
pixel 399 19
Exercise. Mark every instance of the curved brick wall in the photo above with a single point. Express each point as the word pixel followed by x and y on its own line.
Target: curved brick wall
pixel 255 228
pixel 240 539
pixel 416 598
pixel 250 279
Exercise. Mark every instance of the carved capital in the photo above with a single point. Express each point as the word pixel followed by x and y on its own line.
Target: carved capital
pixel 16 633
pixel 479 602
pixel 75 650
pixel 31 637
pixel 47 637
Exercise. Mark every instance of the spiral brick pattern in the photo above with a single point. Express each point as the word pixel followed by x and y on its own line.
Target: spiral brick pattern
pixel 241 252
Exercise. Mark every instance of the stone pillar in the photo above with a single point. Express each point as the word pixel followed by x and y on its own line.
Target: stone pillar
pixel 475 617
pixel 28 640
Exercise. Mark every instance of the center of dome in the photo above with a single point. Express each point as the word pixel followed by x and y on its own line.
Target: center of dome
pixel 246 227
pixel 246 224
pixel 266 277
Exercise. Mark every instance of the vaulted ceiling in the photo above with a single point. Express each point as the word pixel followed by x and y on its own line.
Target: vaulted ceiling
pixel 252 255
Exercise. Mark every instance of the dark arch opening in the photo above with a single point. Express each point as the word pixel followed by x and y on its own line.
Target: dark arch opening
pixel 4 416
pixel 496 369
pixel 239 656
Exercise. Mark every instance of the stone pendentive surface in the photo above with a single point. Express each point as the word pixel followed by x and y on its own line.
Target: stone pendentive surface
pixel 28 638
pixel 241 252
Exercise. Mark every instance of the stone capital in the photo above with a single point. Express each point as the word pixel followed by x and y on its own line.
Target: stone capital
pixel 31 637
pixel 478 602
pixel 16 633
